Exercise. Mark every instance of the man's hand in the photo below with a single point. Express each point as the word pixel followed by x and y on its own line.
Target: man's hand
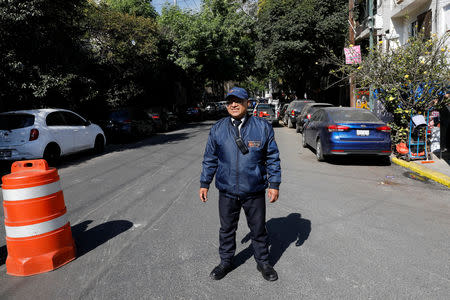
pixel 273 195
pixel 203 193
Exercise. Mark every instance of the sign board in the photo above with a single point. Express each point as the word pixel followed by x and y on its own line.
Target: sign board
pixel 352 55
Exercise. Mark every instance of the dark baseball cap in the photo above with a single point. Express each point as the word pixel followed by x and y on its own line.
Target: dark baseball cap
pixel 237 92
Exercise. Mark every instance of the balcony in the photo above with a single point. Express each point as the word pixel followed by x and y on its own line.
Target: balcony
pixel 406 7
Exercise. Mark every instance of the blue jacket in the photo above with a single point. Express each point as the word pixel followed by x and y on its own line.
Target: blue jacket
pixel 237 173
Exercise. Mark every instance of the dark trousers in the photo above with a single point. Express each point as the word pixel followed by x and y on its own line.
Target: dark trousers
pixel 255 211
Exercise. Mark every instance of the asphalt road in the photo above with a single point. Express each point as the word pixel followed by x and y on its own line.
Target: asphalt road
pixel 349 229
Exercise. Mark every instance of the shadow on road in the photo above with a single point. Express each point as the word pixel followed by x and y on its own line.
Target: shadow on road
pixel 88 240
pixel 282 233
pixel 3 255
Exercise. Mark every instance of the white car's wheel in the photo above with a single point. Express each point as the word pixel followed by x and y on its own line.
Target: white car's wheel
pixel 52 154
pixel 99 144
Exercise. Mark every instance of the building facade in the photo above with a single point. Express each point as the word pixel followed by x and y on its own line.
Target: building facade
pixel 396 20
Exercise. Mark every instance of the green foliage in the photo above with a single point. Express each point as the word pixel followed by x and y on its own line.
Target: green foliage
pixel 292 35
pixel 213 45
pixel 41 54
pixel 409 79
pixel 124 48
pixel 140 8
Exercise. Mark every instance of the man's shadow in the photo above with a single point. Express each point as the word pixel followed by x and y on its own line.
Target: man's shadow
pixel 282 233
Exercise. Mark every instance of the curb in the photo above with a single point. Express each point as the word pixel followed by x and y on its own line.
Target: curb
pixel 423 171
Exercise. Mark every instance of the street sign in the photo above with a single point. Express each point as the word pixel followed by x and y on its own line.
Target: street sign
pixel 352 55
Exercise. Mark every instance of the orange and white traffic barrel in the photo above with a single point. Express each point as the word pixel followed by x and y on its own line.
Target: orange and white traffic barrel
pixel 38 235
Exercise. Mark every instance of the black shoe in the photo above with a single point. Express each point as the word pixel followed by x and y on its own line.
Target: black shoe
pixel 267 272
pixel 220 271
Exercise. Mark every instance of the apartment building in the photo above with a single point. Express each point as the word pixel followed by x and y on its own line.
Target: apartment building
pixel 396 20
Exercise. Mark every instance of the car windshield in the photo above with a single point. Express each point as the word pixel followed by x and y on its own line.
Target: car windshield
pixel 313 109
pixel 299 105
pixel 15 121
pixel 265 106
pixel 353 116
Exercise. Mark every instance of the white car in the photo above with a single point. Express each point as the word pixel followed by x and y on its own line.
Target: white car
pixel 46 133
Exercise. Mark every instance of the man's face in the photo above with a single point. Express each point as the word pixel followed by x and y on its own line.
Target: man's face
pixel 237 108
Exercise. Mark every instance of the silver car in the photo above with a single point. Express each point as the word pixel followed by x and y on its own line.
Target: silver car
pixel 267 112
pixel 46 133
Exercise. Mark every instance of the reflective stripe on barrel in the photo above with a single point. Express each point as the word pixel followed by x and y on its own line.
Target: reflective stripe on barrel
pixel 36 229
pixel 31 192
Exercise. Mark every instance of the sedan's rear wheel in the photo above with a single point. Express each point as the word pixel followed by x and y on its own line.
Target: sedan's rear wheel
pixel 319 151
pixel 52 154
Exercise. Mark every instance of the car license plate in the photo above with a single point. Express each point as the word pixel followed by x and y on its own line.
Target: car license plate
pixel 5 153
pixel 362 132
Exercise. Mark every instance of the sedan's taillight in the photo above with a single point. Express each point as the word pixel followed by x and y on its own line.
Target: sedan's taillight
pixel 384 128
pixel 127 121
pixel 335 128
pixel 293 113
pixel 34 134
pixel 155 117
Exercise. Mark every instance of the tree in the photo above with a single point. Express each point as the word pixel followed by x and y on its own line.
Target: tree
pixel 213 45
pixel 42 57
pixel 408 80
pixel 124 51
pixel 139 8
pixel 293 35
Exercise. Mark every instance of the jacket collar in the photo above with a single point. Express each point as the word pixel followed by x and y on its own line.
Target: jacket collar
pixel 246 118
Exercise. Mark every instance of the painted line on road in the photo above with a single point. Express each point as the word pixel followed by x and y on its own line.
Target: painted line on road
pixel 421 170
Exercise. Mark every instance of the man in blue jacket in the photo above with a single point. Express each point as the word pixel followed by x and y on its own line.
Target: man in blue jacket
pixel 241 151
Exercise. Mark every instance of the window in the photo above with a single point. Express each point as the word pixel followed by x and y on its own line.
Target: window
pixel 413 29
pixel 55 119
pixel 422 24
pixel 353 116
pixel 15 121
pixel 72 119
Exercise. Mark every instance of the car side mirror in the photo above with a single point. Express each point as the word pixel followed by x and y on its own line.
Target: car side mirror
pixel 87 123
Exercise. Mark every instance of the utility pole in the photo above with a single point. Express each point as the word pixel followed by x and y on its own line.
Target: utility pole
pixel 351 37
pixel 371 27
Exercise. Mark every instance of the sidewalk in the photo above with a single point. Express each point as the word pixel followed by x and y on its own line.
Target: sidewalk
pixel 438 171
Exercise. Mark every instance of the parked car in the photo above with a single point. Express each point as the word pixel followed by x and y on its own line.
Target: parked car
pixel 164 121
pixel 346 130
pixel 128 124
pixel 193 114
pixel 212 110
pixel 171 120
pixel 47 133
pixel 158 122
pixel 267 112
pixel 292 111
pixel 307 112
